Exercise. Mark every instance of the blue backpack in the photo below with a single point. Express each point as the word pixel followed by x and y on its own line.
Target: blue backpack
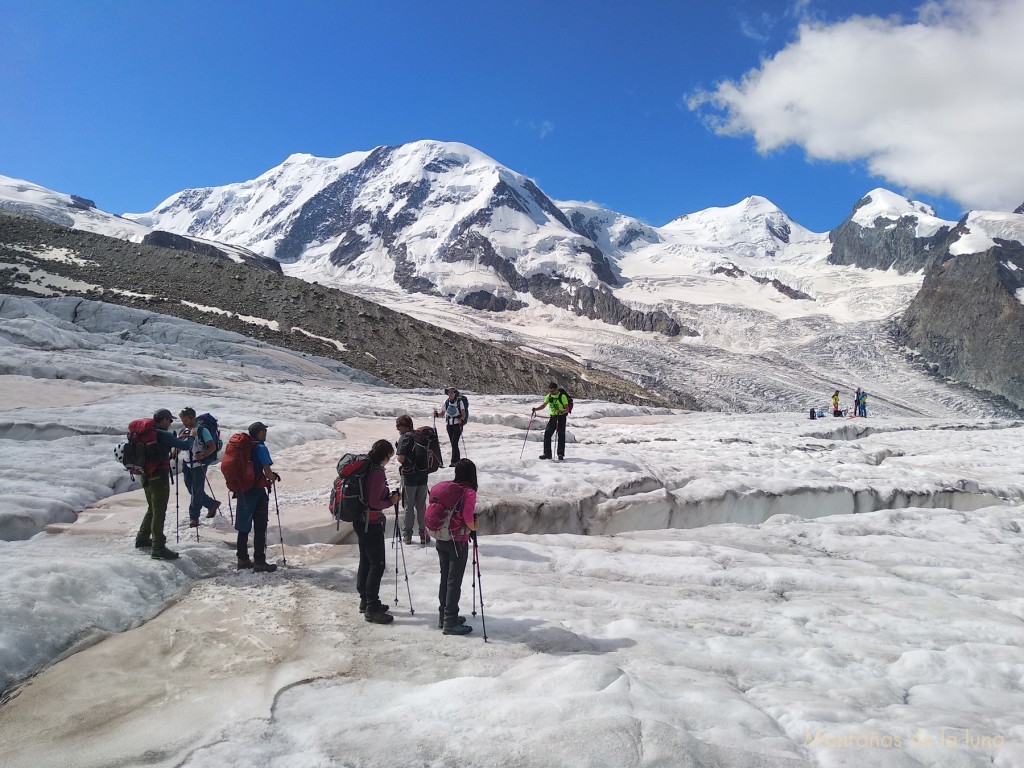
pixel 209 421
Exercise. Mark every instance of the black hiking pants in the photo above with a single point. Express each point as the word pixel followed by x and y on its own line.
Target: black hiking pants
pixel 555 423
pixel 452 556
pixel 454 433
pixel 371 561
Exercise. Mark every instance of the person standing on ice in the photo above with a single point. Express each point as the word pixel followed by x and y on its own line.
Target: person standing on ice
pixel 196 463
pixel 863 408
pixel 414 483
pixel 454 413
pixel 253 511
pixel 459 496
pixel 835 404
pixel 157 486
pixel 370 533
pixel 856 402
pixel 558 410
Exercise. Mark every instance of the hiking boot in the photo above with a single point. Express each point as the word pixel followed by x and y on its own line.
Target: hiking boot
pixel 561 458
pixel 451 464
pixel 243 563
pixel 212 512
pixel 457 629
pixel 193 523
pixel 263 567
pixel 424 538
pixel 544 457
pixel 143 543
pixel 407 539
pixel 377 614
pixel 164 554
pixel 440 619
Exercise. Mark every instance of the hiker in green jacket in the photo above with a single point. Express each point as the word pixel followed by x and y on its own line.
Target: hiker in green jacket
pixel 558 410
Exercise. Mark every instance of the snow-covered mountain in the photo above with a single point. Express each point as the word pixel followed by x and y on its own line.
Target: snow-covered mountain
pixel 19 196
pixel 72 211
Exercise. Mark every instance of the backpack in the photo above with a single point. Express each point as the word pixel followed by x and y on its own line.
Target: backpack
pixel 568 399
pixel 465 404
pixel 348 502
pixel 426 452
pixel 237 466
pixel 439 514
pixel 141 454
pixel 209 421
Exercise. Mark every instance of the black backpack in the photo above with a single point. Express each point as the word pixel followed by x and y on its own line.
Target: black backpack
pixel 426 452
pixel 348 501
pixel 465 404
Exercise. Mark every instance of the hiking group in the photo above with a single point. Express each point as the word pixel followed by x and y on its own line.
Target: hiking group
pixel 360 495
pixel 860 405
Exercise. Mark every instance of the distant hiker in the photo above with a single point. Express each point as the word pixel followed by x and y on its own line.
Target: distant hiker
pixel 455 414
pixel 856 402
pixel 863 404
pixel 253 510
pixel 451 516
pixel 156 481
pixel 370 533
pixel 414 481
pixel 202 455
pixel 835 404
pixel 557 403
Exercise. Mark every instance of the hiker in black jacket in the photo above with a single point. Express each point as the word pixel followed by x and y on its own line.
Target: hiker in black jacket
pixel 414 482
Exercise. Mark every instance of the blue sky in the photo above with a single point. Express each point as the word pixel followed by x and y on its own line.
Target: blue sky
pixel 129 102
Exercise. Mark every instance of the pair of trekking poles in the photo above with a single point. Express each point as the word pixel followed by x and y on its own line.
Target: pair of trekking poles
pixel 397 542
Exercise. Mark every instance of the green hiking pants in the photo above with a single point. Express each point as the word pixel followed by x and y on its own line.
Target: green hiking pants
pixel 158 491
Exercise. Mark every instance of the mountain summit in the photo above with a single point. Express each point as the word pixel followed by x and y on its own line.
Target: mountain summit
pixel 429 217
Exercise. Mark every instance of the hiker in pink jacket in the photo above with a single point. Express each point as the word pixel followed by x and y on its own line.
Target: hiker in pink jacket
pixel 452 523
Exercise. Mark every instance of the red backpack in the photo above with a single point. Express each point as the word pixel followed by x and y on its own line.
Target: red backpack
pixel 142 455
pixel 237 465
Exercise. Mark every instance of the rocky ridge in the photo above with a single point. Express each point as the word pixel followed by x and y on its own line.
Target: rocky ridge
pixel 38 258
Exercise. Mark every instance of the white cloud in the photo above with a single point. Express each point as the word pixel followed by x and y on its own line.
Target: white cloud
pixel 935 106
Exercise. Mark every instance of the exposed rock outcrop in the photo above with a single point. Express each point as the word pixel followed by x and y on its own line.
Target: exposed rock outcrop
pixel 968 319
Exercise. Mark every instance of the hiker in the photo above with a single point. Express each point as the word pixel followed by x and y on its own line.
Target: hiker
pixel 370 533
pixel 156 483
pixel 202 455
pixel 835 404
pixel 864 404
pixel 557 405
pixel 856 402
pixel 414 481
pixel 458 494
pixel 454 413
pixel 253 510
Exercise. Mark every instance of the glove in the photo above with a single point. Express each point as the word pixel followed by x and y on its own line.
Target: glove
pixel 277 478
pixel 472 535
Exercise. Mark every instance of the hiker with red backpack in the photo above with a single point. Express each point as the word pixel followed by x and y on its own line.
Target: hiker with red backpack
pixel 155 441
pixel 247 472
pixel 559 406
pixel 370 534
pixel 450 516
pixel 201 456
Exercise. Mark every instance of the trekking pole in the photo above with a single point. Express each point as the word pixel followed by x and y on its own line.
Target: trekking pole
pixel 401 550
pixel 284 560
pixel 476 562
pixel 465 450
pixel 532 416
pixel 394 546
pixel 230 510
pixel 177 521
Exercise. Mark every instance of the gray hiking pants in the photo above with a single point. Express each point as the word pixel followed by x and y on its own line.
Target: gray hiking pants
pixel 414 499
